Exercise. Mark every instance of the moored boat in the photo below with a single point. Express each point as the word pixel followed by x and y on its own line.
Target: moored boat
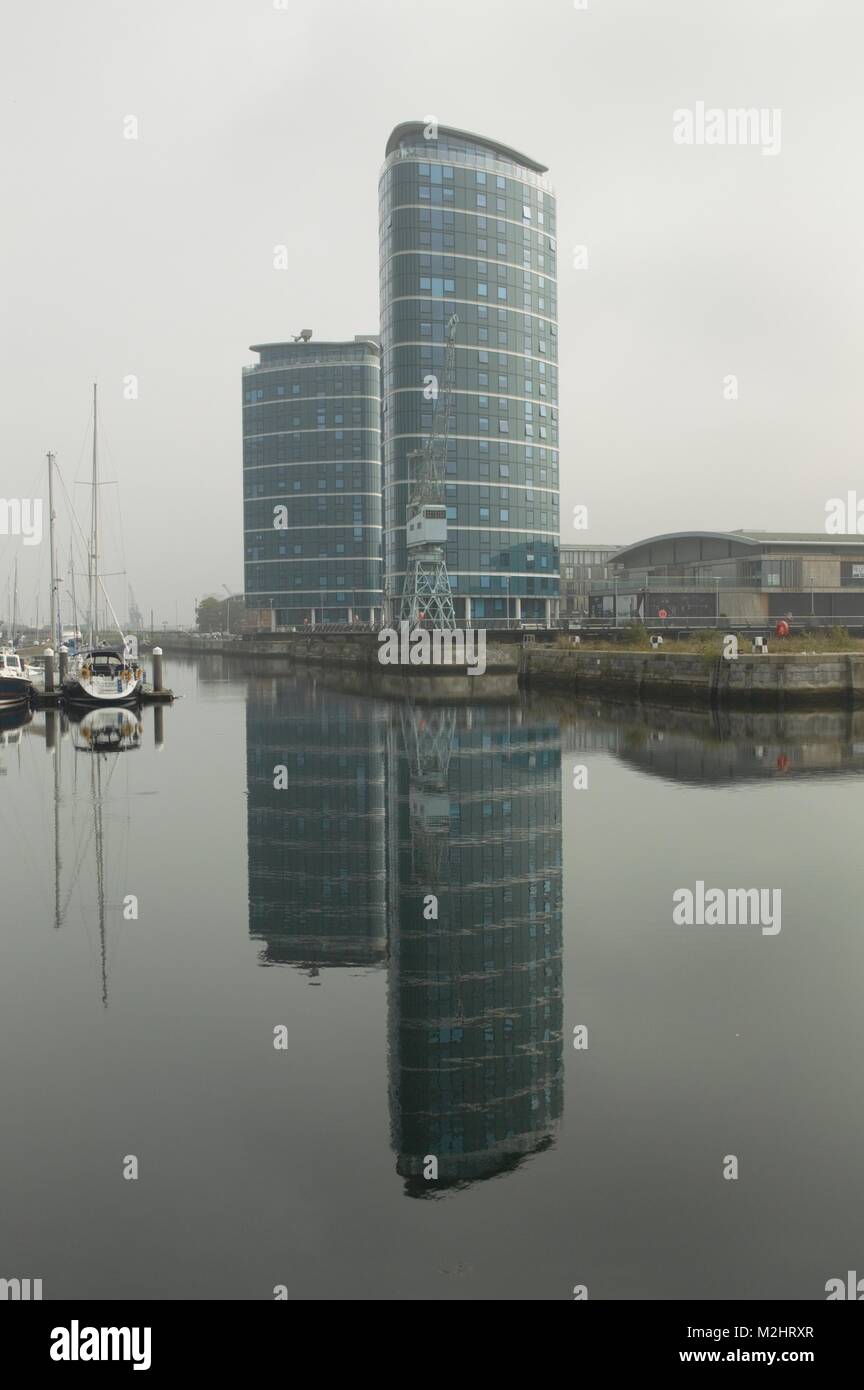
pixel 16 685
pixel 103 676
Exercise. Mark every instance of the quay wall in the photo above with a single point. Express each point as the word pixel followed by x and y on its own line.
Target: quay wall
pixel 774 680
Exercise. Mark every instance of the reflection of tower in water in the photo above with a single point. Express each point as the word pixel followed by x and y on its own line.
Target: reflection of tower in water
pixel 316 843
pixel 476 995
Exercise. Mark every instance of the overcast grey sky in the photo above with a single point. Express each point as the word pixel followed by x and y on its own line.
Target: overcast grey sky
pixel 260 126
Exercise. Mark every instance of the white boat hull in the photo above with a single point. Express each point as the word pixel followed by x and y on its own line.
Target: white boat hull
pixel 101 676
pixel 102 690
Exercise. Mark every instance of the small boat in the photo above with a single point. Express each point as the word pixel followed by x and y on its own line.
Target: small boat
pixel 103 676
pixel 16 686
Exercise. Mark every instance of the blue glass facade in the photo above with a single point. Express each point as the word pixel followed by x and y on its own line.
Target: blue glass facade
pixel 468 226
pixel 312 482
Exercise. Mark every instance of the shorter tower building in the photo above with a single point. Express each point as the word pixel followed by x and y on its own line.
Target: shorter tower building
pixel 312 482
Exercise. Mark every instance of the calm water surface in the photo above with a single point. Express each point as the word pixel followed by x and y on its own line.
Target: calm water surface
pixel 303 908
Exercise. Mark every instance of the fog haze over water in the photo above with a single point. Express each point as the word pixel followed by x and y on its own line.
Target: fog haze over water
pixel 259 127
pixel 302 909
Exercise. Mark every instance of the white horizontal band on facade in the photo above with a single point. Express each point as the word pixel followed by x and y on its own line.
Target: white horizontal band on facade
pixel 530 443
pixel 499 530
pixel 336 589
pixel 493 574
pixel 298 400
pixel 491 164
pixel 466 256
pixel 490 392
pixel 449 299
pixel 373 360
pixel 470 347
pixel 283 498
pixel 290 530
pixel 310 463
pixel 526 225
pixel 323 429
pixel 316 560
pixel 484 482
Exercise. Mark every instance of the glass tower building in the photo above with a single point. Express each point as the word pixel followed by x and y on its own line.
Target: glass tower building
pixel 312 482
pixel 468 226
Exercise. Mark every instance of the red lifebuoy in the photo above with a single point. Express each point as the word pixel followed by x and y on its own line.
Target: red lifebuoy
pixel 782 628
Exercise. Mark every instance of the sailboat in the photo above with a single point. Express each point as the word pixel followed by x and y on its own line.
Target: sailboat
pixel 101 673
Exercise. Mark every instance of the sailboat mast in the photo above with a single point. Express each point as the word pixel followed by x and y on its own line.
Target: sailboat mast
pixel 75 630
pixel 94 536
pixel 15 603
pixel 53 640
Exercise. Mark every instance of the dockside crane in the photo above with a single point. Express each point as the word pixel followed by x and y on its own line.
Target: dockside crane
pixel 427 599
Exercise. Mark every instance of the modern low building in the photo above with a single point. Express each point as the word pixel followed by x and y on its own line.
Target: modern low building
pixel 581 566
pixel 745 576
pixel 468 227
pixel 312 482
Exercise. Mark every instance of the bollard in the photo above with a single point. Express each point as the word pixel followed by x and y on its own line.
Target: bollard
pixel 64 663
pixel 157 668
pixel 49 671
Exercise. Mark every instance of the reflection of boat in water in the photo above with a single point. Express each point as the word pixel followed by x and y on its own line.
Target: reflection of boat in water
pixel 13 721
pixel 16 686
pixel 115 730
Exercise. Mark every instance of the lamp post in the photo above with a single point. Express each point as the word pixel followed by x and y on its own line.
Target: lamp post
pixel 228 613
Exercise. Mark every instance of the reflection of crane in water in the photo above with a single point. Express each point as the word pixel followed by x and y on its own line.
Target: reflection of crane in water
pixel 428 737
pixel 428 733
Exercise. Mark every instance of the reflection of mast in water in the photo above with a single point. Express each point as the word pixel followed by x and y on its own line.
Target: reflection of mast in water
pixel 475 997
pixel 52 743
pixel 103 734
pixel 99 840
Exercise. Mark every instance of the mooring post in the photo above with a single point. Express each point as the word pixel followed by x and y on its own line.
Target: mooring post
pixel 49 671
pixel 64 663
pixel 157 668
pixel 158 725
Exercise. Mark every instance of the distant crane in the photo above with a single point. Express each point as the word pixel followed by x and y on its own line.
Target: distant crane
pixel 427 598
